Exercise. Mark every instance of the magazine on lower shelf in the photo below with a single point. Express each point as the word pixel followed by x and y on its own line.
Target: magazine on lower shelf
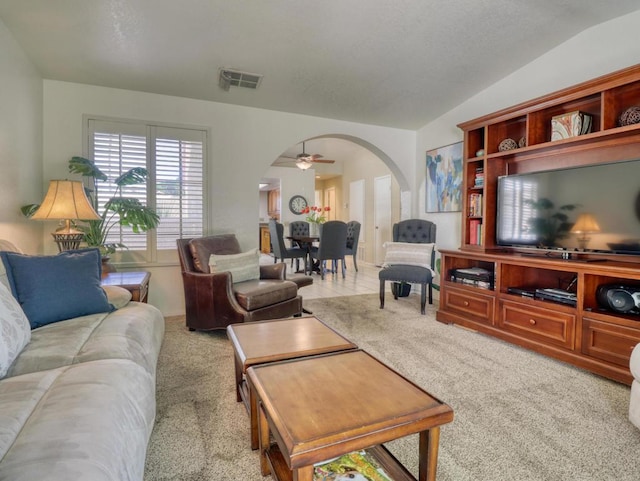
pixel 357 465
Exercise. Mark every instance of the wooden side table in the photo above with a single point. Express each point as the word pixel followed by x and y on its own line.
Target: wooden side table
pixel 274 340
pixel 314 409
pixel 136 282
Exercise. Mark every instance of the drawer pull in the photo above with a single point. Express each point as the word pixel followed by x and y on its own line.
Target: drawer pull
pixel 532 322
pixel 466 303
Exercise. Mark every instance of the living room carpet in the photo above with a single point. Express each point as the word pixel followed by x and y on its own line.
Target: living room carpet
pixel 518 415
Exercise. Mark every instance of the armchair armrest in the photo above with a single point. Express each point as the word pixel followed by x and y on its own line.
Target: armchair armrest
pixel 274 271
pixel 210 300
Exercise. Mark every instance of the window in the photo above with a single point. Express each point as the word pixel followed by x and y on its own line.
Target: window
pixel 174 158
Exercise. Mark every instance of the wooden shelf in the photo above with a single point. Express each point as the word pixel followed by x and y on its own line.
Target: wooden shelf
pixel 604 98
pixel 380 453
pixel 585 335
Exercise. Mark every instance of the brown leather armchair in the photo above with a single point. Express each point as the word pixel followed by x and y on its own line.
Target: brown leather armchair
pixel 213 301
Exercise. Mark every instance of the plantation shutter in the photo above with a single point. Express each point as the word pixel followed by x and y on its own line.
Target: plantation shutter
pixel 179 184
pixel 118 147
pixel 174 158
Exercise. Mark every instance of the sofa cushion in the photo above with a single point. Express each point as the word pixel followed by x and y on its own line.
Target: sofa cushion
pixel 202 247
pixel 134 332
pixel 90 421
pixel 408 253
pixel 117 296
pixel 15 331
pixel 243 267
pixel 54 288
pixel 256 294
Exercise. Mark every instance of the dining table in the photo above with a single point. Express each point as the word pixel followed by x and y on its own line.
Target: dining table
pixel 306 242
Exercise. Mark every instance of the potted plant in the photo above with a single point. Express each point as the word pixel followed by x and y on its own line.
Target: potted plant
pixel 117 210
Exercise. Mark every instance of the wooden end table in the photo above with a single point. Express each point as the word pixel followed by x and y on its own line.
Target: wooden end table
pixel 322 407
pixel 136 282
pixel 276 340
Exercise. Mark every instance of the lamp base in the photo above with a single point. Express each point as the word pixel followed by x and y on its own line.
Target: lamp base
pixel 67 241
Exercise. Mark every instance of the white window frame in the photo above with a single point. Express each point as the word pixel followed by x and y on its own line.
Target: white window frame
pixel 151 255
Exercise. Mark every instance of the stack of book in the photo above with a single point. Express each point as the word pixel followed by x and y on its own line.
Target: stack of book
pixel 478 181
pixel 473 276
pixel 475 232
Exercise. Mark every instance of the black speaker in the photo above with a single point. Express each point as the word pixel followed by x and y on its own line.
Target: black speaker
pixel 619 298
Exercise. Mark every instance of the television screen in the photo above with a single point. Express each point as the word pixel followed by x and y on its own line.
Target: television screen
pixel 594 208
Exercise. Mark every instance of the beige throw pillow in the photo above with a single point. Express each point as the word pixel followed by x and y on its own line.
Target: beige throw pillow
pixel 408 253
pixel 243 267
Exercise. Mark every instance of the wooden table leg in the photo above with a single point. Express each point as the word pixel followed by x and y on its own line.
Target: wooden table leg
pixel 238 368
pixel 253 416
pixel 263 428
pixel 303 474
pixel 428 463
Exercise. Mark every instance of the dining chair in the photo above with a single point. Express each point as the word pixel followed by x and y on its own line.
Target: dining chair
pixel 331 246
pixel 280 250
pixel 298 228
pixel 418 231
pixel 353 235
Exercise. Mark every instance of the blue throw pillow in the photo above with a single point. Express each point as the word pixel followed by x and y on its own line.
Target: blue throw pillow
pixel 55 288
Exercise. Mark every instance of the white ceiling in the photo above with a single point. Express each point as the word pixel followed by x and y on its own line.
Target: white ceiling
pixel 397 63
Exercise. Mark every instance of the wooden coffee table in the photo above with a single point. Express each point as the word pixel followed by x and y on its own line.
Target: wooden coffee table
pixel 322 407
pixel 276 340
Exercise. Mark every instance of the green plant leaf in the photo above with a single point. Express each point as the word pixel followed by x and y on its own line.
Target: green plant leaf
pixel 133 213
pixel 137 175
pixel 29 209
pixel 86 168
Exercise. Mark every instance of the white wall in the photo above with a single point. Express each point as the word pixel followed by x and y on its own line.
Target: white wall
pixel 364 165
pixel 600 50
pixel 244 142
pixel 20 144
pixel 292 182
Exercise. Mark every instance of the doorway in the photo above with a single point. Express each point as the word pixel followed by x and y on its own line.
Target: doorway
pixel 381 216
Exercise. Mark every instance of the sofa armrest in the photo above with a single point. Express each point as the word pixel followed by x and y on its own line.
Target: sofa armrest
pixel 274 271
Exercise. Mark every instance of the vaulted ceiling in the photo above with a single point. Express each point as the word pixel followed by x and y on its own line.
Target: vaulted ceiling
pixel 397 63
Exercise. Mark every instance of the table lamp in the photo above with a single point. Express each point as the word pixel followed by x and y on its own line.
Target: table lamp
pixel 585 225
pixel 66 200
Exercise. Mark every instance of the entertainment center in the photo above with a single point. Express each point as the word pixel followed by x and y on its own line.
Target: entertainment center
pixel 543 289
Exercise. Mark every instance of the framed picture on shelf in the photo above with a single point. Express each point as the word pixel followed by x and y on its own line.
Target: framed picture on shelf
pixel 444 179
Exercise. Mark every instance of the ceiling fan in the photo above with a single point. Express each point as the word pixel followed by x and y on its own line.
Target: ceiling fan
pixel 304 161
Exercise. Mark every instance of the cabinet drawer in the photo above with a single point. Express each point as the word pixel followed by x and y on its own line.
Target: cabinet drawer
pixel 609 342
pixel 544 325
pixel 476 307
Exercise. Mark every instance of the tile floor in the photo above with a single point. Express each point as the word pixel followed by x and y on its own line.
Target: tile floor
pixel 365 281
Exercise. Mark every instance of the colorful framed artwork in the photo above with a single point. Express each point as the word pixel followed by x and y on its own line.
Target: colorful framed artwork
pixel 444 179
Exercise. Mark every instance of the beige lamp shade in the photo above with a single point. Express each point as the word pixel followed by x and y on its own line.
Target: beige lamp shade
pixel 65 199
pixel 585 223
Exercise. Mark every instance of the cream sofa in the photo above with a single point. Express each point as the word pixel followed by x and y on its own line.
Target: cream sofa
pixel 78 401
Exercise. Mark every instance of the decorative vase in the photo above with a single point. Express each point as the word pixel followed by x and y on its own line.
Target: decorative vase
pixel 314 230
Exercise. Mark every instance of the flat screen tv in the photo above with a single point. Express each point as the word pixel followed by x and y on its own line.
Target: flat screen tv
pixel 592 208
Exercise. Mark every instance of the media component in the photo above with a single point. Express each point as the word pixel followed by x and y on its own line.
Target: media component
pixel 619 298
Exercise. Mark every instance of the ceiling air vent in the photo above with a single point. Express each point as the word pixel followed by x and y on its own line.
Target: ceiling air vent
pixel 237 78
